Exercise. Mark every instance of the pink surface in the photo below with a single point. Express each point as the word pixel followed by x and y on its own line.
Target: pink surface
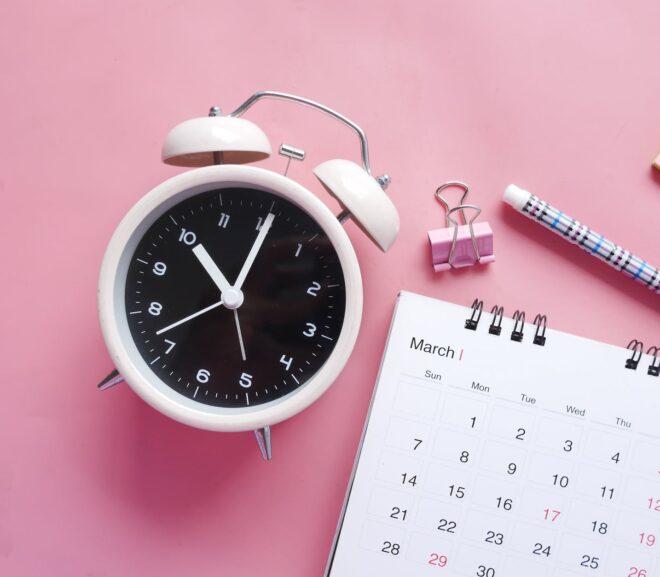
pixel 560 98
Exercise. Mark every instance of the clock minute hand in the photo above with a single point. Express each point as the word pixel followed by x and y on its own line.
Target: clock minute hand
pixel 211 268
pixel 247 265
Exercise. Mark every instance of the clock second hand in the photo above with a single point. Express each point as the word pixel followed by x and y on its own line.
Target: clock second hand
pixel 189 317
pixel 240 336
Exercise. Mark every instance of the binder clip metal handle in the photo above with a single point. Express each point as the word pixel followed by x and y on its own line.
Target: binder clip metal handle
pixel 460 245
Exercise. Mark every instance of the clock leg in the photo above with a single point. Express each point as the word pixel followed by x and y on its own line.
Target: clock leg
pixel 263 440
pixel 114 378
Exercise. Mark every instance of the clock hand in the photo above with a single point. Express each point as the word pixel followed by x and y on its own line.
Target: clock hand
pixel 211 268
pixel 240 336
pixel 189 317
pixel 253 251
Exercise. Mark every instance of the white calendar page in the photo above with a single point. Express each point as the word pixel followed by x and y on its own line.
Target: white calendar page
pixel 487 457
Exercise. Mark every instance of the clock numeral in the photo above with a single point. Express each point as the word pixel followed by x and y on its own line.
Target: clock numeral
pixel 159 268
pixel 224 220
pixel 245 380
pixel 203 376
pixel 187 237
pixel 314 289
pixel 155 308
pixel 260 222
pixel 286 361
pixel 171 346
pixel 311 330
pixel 298 249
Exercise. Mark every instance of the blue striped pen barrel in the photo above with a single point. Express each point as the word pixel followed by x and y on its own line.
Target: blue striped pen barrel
pixel 581 235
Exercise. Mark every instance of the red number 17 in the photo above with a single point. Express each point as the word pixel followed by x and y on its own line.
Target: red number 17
pixel 551 514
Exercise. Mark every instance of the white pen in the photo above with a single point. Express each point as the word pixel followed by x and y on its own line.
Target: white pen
pixel 581 235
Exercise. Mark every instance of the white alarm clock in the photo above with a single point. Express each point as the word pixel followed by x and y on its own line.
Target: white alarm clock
pixel 230 296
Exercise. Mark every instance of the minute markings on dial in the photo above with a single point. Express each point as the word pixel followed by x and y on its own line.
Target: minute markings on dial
pixel 275 312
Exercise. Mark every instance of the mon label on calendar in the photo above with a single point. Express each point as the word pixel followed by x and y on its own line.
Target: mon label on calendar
pixel 517 461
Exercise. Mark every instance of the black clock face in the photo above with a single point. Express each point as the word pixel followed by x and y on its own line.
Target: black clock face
pixel 235 297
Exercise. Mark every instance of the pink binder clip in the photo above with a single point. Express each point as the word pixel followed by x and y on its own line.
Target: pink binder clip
pixel 456 245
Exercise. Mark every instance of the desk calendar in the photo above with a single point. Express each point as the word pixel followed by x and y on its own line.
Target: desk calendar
pixel 489 457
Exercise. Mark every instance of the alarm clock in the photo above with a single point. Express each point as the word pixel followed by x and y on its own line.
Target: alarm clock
pixel 230 296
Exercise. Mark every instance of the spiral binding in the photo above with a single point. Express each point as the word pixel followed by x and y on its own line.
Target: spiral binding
pixel 495 327
pixel 541 322
pixel 477 308
pixel 654 367
pixel 637 348
pixel 518 326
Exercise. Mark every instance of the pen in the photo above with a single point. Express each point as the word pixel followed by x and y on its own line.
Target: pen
pixel 581 235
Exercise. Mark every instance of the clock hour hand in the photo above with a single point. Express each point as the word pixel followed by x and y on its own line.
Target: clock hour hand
pixel 211 268
pixel 265 227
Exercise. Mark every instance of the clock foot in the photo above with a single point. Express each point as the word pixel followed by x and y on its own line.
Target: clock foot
pixel 114 378
pixel 263 440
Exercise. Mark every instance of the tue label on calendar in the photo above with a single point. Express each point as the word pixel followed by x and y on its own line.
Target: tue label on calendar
pixel 486 458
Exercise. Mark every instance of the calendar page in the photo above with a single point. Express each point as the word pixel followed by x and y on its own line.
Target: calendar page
pixel 487 457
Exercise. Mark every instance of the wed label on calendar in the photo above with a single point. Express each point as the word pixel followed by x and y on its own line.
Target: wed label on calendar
pixel 484 456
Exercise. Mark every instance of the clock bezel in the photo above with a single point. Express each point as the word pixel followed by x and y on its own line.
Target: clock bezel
pixel 112 311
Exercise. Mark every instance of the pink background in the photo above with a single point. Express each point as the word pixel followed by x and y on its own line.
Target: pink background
pixel 559 97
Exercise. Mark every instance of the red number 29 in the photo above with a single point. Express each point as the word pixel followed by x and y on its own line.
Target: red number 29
pixel 441 560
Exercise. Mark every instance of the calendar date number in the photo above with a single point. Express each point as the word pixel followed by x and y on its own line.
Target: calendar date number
pixel 391 548
pixel 398 513
pixel 590 562
pixel 438 560
pixel 447 526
